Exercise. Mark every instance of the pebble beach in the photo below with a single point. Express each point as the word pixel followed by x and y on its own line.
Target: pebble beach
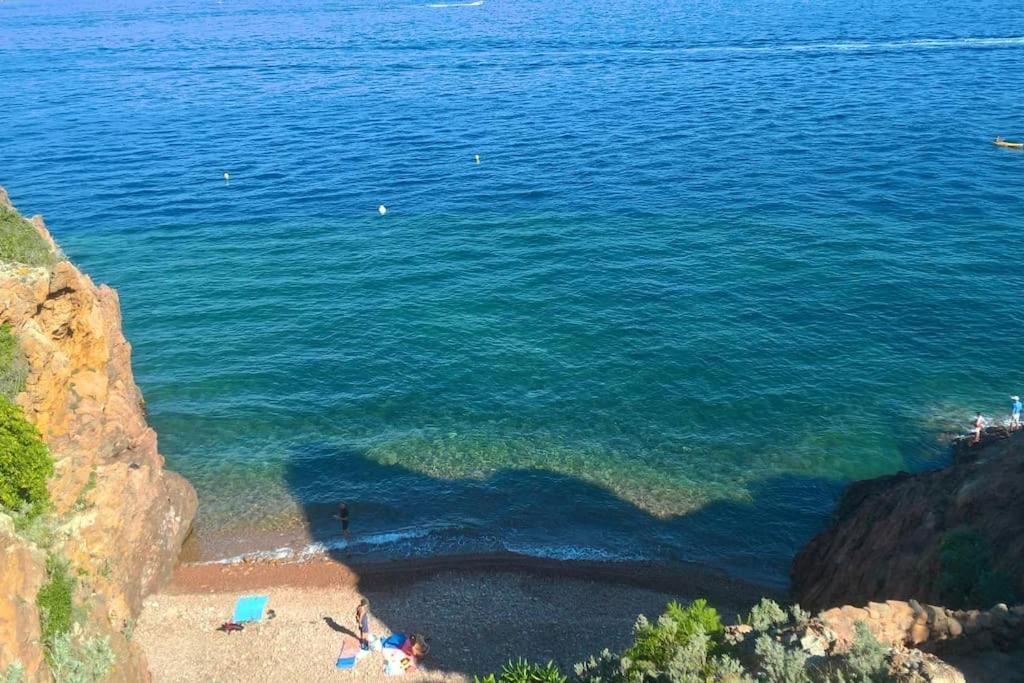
pixel 476 612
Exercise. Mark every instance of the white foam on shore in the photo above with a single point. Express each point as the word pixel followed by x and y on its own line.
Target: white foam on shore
pixel 571 552
pixel 289 554
pixel 320 549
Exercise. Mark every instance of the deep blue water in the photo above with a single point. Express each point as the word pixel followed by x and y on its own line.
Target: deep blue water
pixel 717 258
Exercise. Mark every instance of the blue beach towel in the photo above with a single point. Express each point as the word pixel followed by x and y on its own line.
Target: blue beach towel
pixel 249 608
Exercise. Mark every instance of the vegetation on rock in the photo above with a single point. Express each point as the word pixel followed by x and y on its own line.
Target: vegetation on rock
pixel 20 242
pixel 13 367
pixel 81 660
pixel 25 462
pixel 54 603
pixel 690 645
pixel 967 578
pixel 15 673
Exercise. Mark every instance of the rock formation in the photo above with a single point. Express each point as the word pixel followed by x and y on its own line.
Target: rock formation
pixel 123 516
pixel 885 540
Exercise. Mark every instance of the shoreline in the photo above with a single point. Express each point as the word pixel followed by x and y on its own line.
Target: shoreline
pixel 324 571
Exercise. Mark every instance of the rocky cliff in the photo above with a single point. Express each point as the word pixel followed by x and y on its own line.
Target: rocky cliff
pixel 887 538
pixel 121 516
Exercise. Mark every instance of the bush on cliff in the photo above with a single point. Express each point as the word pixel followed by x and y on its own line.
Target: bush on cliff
pixel 80 660
pixel 679 627
pixel 13 367
pixel 54 603
pixel 25 462
pixel 966 578
pixel 21 243
pixel 689 645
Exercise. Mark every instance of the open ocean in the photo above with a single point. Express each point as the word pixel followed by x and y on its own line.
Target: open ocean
pixel 718 258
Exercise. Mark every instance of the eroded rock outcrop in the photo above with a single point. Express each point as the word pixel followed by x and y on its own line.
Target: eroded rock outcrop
pixel 885 541
pixel 124 517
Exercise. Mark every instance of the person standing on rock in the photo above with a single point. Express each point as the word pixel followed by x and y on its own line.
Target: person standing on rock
pixel 979 425
pixel 1015 407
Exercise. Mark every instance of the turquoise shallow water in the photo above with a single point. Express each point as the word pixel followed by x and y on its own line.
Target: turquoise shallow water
pixel 717 260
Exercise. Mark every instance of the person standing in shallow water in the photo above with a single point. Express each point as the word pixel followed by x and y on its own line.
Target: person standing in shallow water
pixel 1015 407
pixel 343 516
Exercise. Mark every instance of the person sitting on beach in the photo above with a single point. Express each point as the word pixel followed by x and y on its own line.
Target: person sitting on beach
pixel 402 653
pixel 1015 408
pixel 415 646
pixel 363 621
pixel 979 425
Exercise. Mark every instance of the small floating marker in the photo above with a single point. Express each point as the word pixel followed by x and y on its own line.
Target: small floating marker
pixel 477 158
pixel 382 209
pixel 227 176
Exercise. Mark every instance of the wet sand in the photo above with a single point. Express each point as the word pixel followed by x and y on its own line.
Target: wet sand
pixel 477 612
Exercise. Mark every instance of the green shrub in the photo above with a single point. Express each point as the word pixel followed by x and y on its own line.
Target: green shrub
pixel 54 603
pixel 25 462
pixel 780 665
pixel 21 243
pixel 865 663
pixel 41 529
pixel 15 673
pixel 966 577
pixel 87 661
pixel 521 671
pixel 656 644
pixel 13 366
pixel 766 614
pixel 605 668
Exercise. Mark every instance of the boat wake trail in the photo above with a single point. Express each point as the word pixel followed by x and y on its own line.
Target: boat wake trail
pixel 443 5
pixel 852 46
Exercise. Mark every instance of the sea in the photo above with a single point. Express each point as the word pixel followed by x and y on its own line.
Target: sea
pixel 654 281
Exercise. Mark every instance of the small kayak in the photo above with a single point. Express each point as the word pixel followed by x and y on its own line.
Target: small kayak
pixel 1005 143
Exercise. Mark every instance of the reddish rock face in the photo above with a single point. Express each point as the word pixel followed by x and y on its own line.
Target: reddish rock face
pixel 885 541
pixel 125 517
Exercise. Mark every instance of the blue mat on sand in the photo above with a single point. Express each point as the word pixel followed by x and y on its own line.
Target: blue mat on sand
pixel 249 608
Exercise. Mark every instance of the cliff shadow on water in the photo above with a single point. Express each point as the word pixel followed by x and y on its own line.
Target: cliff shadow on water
pixel 511 515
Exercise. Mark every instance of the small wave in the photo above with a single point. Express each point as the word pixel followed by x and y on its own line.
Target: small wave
pixel 443 5
pixel 289 554
pixel 570 552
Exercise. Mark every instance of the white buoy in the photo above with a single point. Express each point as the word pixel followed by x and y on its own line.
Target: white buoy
pixel 382 209
pixel 227 176
pixel 477 157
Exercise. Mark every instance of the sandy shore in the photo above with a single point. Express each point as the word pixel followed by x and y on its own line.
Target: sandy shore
pixel 476 611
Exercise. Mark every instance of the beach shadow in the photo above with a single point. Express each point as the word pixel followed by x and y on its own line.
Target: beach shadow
pixel 395 509
pixel 338 628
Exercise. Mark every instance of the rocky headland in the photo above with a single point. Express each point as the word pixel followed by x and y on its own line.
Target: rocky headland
pixel 890 535
pixel 117 518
